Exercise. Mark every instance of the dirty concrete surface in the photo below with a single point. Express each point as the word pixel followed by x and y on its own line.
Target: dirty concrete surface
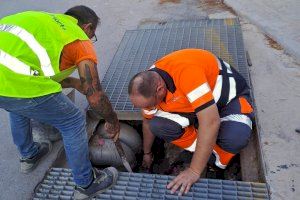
pixel 278 19
pixel 275 79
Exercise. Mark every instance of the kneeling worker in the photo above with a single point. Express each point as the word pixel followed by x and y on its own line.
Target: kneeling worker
pixel 198 102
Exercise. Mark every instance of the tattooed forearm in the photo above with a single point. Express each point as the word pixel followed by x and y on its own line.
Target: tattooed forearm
pixel 104 108
pixel 87 81
pixel 94 93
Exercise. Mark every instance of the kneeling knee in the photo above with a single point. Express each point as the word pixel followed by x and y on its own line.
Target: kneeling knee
pixel 239 143
pixel 165 128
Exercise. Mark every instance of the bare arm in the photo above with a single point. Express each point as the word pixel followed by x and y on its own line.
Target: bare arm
pixel 148 137
pixel 96 97
pixel 209 122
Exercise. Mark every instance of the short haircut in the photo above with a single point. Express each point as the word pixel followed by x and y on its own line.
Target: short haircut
pixel 84 15
pixel 144 83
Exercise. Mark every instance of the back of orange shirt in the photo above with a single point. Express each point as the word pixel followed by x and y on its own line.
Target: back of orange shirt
pixel 75 52
pixel 194 72
pixel 196 79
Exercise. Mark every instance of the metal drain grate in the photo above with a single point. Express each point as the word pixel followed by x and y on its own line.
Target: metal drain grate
pixel 191 23
pixel 58 184
pixel 140 48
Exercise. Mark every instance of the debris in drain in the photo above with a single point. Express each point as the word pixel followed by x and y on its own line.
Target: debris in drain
pixel 171 160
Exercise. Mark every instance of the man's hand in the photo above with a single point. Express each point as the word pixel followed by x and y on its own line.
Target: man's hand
pixel 147 160
pixel 184 181
pixel 71 82
pixel 112 130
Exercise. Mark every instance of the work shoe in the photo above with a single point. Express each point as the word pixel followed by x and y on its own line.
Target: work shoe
pixel 29 164
pixel 103 180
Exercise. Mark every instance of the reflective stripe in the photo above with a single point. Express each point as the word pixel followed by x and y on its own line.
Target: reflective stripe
pixel 153 66
pixel 15 64
pixel 183 121
pixel 218 88
pixel 232 89
pixel 218 162
pixel 238 118
pixel 192 148
pixel 217 92
pixel 219 64
pixel 150 112
pixel 29 39
pixel 228 67
pixel 198 92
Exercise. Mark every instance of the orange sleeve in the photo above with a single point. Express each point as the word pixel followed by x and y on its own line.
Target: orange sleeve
pixel 194 85
pixel 77 51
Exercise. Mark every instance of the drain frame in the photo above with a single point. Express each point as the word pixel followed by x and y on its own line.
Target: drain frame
pixel 218 35
pixel 134 115
pixel 58 184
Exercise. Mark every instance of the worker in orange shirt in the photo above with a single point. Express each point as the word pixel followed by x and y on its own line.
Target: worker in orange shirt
pixel 198 102
pixel 38 51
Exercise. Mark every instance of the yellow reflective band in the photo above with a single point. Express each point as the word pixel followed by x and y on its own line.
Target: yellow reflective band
pixel 34 45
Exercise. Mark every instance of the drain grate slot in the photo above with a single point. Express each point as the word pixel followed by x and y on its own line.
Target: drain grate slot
pixel 137 186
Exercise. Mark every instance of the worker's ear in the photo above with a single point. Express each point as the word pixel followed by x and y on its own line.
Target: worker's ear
pixel 87 26
pixel 88 29
pixel 159 88
pixel 160 91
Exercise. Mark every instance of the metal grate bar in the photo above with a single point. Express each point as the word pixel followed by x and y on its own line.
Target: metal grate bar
pixel 140 48
pixel 190 23
pixel 58 184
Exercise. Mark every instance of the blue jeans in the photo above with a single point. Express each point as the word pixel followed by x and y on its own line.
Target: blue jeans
pixel 56 110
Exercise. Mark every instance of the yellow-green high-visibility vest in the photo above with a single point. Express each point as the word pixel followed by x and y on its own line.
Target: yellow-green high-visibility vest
pixel 31 43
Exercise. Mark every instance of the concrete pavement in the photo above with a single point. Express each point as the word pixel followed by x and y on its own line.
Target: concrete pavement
pixel 276 80
pixel 279 19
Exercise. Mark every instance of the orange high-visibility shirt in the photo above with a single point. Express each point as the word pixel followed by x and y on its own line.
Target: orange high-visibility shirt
pixel 190 78
pixel 75 52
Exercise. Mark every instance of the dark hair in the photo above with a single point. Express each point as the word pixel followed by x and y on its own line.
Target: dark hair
pixel 144 83
pixel 84 15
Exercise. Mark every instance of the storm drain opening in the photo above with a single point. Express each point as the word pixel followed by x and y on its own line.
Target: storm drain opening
pixel 170 160
pixel 141 47
pixel 243 178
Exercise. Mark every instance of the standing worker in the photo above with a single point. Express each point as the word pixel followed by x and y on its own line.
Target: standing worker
pixel 198 102
pixel 38 51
